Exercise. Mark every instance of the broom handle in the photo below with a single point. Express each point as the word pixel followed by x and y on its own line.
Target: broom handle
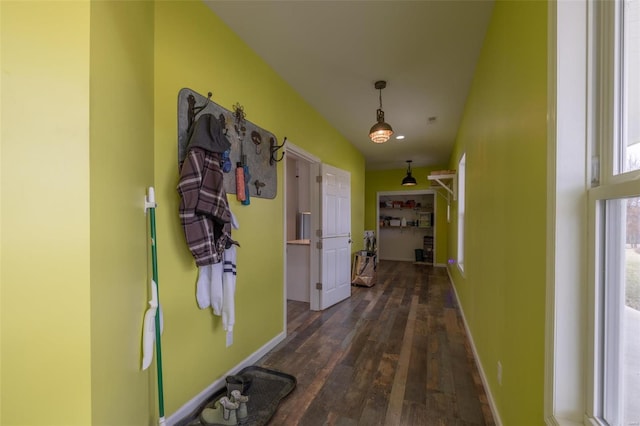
pixel 151 203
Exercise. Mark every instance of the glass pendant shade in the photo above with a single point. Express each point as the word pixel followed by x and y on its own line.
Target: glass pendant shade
pixel 381 131
pixel 408 179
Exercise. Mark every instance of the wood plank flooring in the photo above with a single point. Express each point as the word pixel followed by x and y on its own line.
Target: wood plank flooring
pixel 392 354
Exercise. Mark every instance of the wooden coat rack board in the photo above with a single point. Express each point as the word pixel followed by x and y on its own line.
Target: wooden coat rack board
pixel 258 147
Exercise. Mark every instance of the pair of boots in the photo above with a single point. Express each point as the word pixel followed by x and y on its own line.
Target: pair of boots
pixel 227 410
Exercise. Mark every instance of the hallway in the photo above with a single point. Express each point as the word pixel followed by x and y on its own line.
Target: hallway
pixel 393 354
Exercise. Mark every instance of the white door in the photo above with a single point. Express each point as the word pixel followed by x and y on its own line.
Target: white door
pixel 335 240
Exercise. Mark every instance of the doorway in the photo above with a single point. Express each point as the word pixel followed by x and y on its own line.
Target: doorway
pixel 406 227
pixel 302 261
pixel 317 237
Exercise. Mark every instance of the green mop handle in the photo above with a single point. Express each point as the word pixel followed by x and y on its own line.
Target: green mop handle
pixel 151 204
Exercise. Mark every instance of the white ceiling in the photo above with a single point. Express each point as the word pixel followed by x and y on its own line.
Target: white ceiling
pixel 332 52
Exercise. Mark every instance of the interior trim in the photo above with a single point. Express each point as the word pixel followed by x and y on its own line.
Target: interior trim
pixel 483 377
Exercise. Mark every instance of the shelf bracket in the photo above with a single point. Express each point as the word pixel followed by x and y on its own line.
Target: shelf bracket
pixel 448 182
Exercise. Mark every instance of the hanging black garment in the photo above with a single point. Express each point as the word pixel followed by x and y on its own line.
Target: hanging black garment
pixel 207 133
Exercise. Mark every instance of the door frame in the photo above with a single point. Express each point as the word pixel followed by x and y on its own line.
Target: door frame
pixel 410 192
pixel 298 153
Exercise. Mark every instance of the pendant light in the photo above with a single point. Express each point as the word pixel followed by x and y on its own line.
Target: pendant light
pixel 408 179
pixel 381 131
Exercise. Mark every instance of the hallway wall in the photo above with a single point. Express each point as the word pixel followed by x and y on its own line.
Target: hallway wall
pixel 121 168
pixel 72 231
pixel 195 49
pixel 77 156
pixel 89 120
pixel 45 244
pixel 503 133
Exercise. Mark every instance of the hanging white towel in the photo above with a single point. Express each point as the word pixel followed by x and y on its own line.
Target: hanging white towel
pixel 216 287
pixel 203 286
pixel 229 288
pixel 229 283
pixel 234 221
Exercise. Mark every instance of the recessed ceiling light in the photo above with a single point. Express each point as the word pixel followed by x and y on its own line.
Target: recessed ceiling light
pixel 399 137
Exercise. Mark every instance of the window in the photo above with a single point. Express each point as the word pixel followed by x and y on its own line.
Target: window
pixel 619 292
pixel 593 214
pixel 629 100
pixel 461 207
pixel 615 207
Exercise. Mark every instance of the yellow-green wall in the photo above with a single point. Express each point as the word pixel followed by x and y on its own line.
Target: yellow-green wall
pixel 121 161
pixel 89 116
pixel 1 222
pixel 390 180
pixel 503 134
pixel 78 113
pixel 46 305
pixel 194 49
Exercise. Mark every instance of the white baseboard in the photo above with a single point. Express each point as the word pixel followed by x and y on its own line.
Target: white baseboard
pixel 559 421
pixel 195 402
pixel 485 383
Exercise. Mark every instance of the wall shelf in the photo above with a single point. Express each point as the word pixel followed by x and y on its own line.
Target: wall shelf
pixel 448 181
pixel 397 242
pixel 407 228
pixel 400 208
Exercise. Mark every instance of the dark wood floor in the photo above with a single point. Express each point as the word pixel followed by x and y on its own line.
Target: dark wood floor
pixel 392 354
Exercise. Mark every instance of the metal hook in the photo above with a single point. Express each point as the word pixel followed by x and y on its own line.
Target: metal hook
pixel 257 140
pixel 258 185
pixel 274 147
pixel 240 119
pixel 194 110
pixel 197 110
pixel 223 124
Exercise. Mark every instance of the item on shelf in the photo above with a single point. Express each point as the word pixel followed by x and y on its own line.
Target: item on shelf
pixel 443 172
pixel 425 220
pixel 397 204
pixel 394 222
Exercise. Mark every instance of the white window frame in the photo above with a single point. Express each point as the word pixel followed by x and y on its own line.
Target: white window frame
pixel 604 331
pixel 583 113
pixel 461 209
pixel 604 398
pixel 567 178
pixel 607 323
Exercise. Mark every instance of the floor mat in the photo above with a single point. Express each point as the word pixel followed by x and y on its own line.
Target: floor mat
pixel 267 389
